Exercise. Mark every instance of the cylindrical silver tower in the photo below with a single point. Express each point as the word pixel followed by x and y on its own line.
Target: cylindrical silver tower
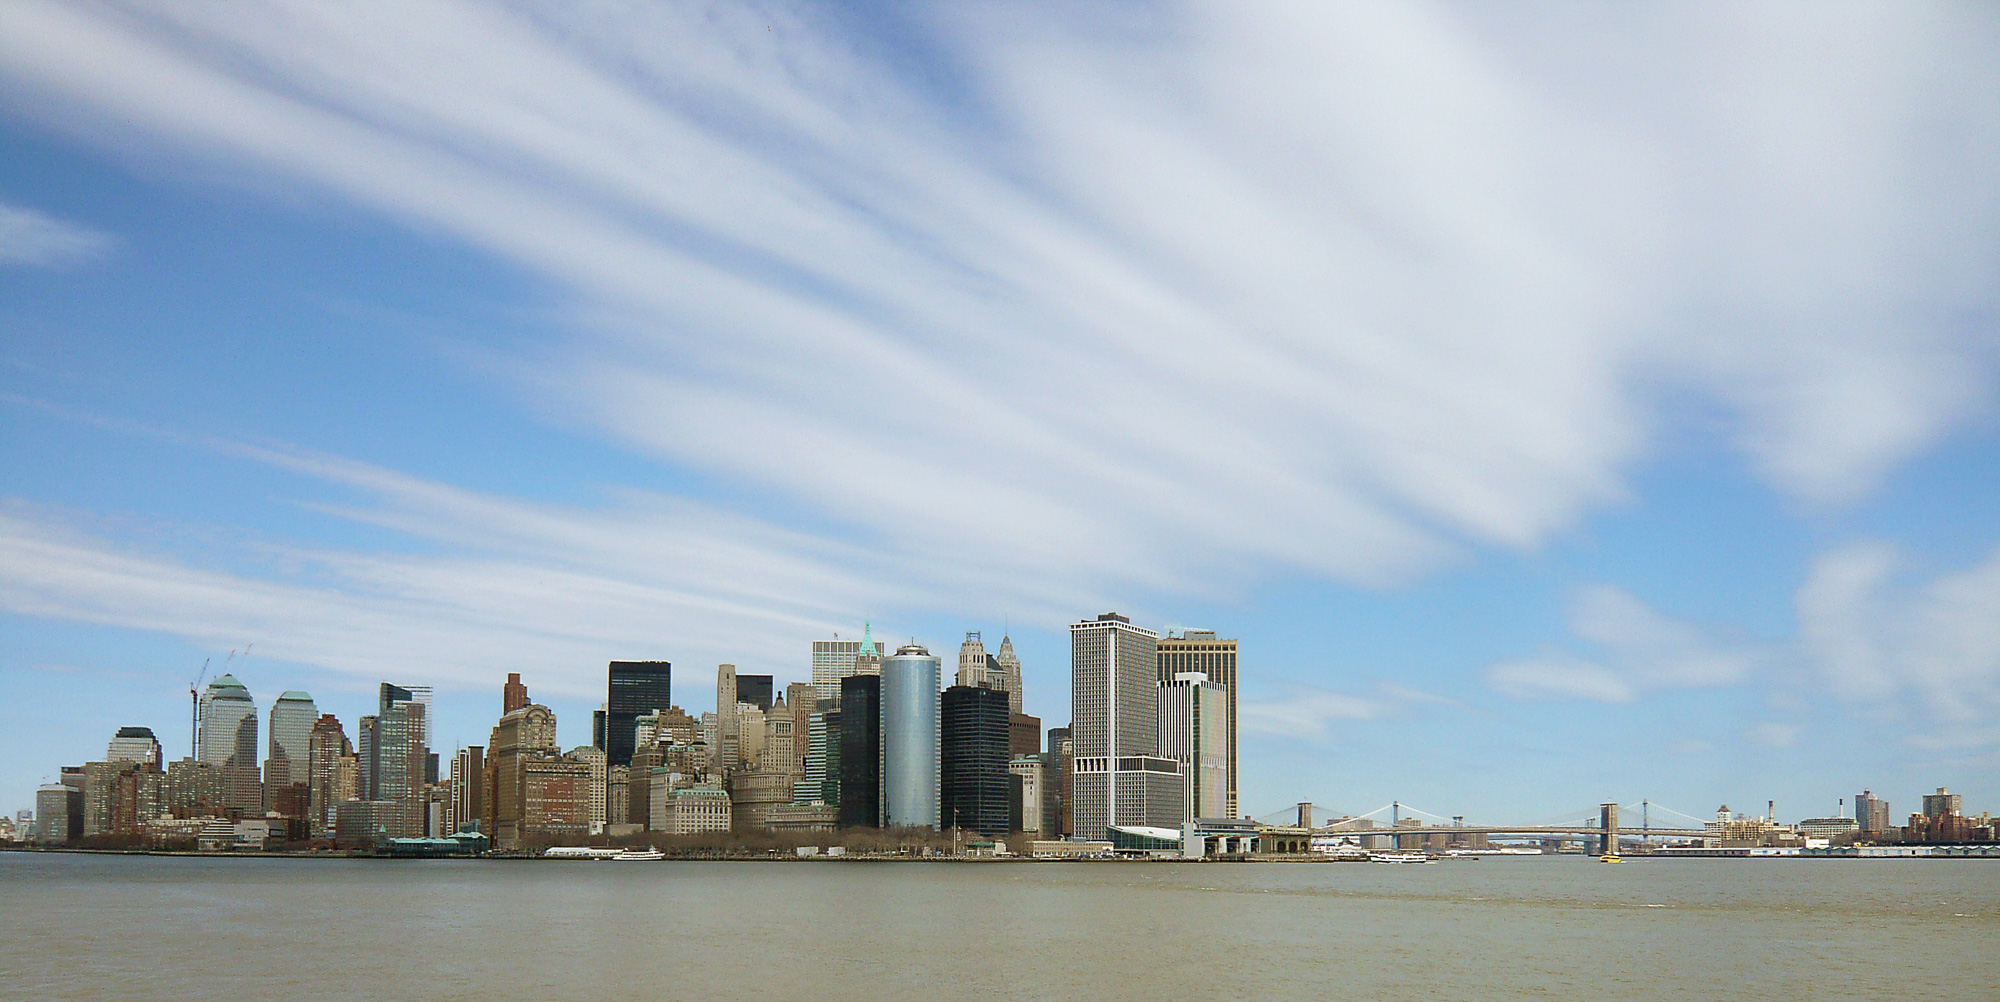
pixel 910 738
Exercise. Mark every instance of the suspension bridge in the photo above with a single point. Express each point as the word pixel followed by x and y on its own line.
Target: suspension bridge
pixel 1404 820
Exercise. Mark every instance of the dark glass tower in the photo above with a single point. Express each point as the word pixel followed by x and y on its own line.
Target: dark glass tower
pixel 972 760
pixel 861 751
pixel 635 687
pixel 755 690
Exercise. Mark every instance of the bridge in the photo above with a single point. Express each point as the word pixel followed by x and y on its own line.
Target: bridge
pixel 1595 823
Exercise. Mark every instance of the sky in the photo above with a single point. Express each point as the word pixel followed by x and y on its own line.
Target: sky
pixel 1560 403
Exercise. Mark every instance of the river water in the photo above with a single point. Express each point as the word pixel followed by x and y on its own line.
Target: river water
pixel 116 927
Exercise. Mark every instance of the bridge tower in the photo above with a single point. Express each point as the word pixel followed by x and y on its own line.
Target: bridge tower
pixel 1607 820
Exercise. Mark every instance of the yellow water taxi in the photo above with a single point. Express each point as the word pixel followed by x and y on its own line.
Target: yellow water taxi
pixel 1609 857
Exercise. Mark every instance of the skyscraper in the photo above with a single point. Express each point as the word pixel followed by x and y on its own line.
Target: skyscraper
pixel 327 755
pixel 802 699
pixel 860 757
pixel 1202 651
pixel 972 660
pixel 635 687
pixel 1010 673
pixel 513 695
pixel 134 744
pixel 972 760
pixel 833 660
pixel 1058 784
pixel 1194 731
pixel 1120 776
pixel 910 738
pixel 1871 812
pixel 725 753
pixel 228 741
pixel 755 690
pixel 401 761
pixel 292 720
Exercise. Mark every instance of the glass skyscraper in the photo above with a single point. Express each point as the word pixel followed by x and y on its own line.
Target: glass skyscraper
pixel 859 760
pixel 973 756
pixel 635 688
pixel 228 741
pixel 910 738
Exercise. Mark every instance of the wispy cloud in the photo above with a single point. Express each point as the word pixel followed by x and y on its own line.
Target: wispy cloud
pixel 34 238
pixel 1632 648
pixel 1334 290
pixel 1880 635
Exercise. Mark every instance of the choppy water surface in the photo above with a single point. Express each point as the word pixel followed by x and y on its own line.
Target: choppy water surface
pixel 102 927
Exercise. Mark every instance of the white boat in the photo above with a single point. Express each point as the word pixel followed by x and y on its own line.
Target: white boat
pixel 1398 857
pixel 641 854
pixel 579 852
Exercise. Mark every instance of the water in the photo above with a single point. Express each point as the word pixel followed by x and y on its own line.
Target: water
pixel 109 927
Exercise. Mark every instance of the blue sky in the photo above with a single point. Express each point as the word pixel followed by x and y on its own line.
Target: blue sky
pixel 1574 405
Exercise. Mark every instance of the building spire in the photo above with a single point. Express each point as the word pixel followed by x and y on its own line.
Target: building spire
pixel 868 638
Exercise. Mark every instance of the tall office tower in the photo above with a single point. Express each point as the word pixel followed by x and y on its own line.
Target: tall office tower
pixel 860 756
pixel 801 698
pixel 1871 812
pixel 910 738
pixel 1056 802
pixel 1202 651
pixel 725 753
pixel 134 744
pixel 597 728
pixel 749 736
pixel 1010 674
pixel 468 788
pixel 972 660
pixel 821 780
pixel 1942 804
pixel 229 742
pixel 1194 731
pixel 1024 733
pixel 58 814
pixel 513 695
pixel 755 690
pixel 594 758
pixel 1027 794
pixel 194 789
pixel 636 687
pixel 521 736
pixel 401 761
pixel 832 660
pixel 292 719
pixel 781 745
pixel 972 760
pixel 326 748
pixel 1121 778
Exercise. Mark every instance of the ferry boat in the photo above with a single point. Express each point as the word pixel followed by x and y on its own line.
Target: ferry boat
pixel 1609 857
pixel 640 854
pixel 1398 857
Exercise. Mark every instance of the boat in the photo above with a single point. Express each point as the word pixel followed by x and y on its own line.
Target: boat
pixel 1609 857
pixel 640 854
pixel 1398 857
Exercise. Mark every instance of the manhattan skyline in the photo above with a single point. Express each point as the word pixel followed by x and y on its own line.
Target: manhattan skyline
pixel 1557 411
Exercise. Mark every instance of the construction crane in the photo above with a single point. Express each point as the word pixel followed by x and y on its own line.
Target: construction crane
pixel 194 709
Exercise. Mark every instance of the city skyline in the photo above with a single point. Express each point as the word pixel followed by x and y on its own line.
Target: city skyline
pixel 1515 388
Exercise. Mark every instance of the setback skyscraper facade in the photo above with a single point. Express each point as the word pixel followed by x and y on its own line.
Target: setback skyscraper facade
pixel 634 688
pixel 1194 731
pixel 910 738
pixel 1203 651
pixel 286 758
pixel 1120 776
pixel 973 781
pixel 228 741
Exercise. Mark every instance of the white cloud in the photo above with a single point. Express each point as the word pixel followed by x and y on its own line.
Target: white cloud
pixel 1307 713
pixel 1334 290
pixel 1774 734
pixel 1884 638
pixel 33 238
pixel 1636 649
pixel 1560 676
